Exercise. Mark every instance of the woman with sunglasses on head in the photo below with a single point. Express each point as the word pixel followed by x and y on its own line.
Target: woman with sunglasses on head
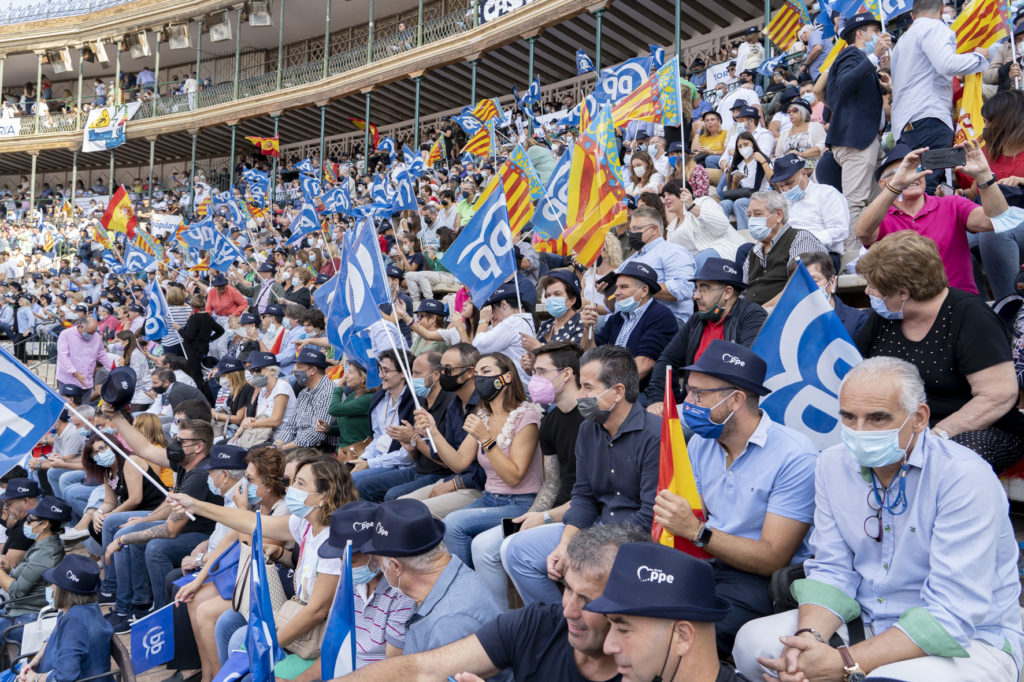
pixel 805 138
pixel 350 406
pixel 275 401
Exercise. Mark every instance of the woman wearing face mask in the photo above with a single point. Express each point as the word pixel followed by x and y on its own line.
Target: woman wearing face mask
pixel 642 177
pixel 320 487
pixel 749 172
pixel 1003 71
pixel 178 315
pixel 79 646
pixel 235 398
pixel 350 406
pixel 133 356
pixel 804 138
pixel 196 336
pixel 562 301
pixel 954 339
pixel 24 584
pixel 503 437
pixel 296 287
pixel 275 401
pixel 261 489
pixel 698 225
pixel 408 254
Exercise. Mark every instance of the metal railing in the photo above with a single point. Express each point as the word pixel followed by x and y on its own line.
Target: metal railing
pixel 53 9
pixel 37 351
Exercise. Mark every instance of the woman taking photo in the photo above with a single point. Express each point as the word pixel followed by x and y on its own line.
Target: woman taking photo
pixel 133 356
pixel 749 172
pixel 502 436
pixel 275 401
pixel 321 486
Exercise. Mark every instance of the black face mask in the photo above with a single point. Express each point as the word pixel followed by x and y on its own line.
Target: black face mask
pixel 636 240
pixel 159 390
pixel 451 383
pixel 488 388
pixel 175 453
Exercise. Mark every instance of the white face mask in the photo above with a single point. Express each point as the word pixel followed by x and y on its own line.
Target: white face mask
pixel 746 152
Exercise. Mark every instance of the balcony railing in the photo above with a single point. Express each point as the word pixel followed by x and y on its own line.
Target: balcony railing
pixel 53 9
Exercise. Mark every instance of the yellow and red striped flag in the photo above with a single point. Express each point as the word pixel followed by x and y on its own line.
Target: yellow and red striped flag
pixel 595 202
pixel 485 110
pixel 517 196
pixel 643 104
pixel 479 144
pixel 48 241
pixel 436 154
pixel 838 46
pixel 675 472
pixel 146 243
pixel 981 23
pixel 119 216
pixel 784 26
pixel 201 266
pixel 374 133
pixel 268 146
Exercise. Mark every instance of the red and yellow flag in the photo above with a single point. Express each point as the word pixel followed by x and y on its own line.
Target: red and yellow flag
pixel 595 201
pixel 361 124
pixel 675 473
pixel 485 110
pixel 982 23
pixel 784 26
pixel 643 104
pixel 479 144
pixel 517 196
pixel 268 146
pixel 436 154
pixel 119 216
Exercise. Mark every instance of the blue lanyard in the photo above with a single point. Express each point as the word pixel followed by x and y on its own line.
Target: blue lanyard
pixel 899 502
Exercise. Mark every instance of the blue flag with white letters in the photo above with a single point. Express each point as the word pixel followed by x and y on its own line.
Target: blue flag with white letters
pixel 259 185
pixel 366 254
pixel 311 189
pixel 549 217
pixel 469 123
pixel 359 291
pixel 390 146
pixel 584 64
pixel 306 166
pixel 338 652
pixel 481 258
pixel 153 640
pixel 28 408
pixel 330 299
pixel 199 234
pixel 532 93
pixel 224 253
pixel 337 199
pixel 135 259
pixel 657 56
pixel 405 195
pixel 261 637
pixel 414 162
pixel 235 668
pixel 808 353
pixel 306 222
pixel 157 313
pixel 110 260
pixel 618 81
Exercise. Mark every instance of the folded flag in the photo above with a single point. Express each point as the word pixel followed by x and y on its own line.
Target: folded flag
pixel 584 64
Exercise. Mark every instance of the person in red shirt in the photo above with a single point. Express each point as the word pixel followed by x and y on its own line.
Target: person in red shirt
pixel 223 300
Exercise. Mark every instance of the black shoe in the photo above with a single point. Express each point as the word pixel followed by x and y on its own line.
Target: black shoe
pixel 107 599
pixel 121 625
pixel 114 617
pixel 139 612
pixel 180 677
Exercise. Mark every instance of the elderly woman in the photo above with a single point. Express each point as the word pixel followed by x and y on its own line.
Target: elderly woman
pixel 957 343
pixel 805 138
pixel 275 402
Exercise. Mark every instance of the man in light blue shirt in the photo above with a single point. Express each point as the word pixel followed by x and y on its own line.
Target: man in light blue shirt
pixel 912 536
pixel 673 264
pixel 755 478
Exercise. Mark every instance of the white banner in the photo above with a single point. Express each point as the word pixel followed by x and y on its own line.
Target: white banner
pixel 492 9
pixel 10 127
pixel 162 224
pixel 105 128
pixel 717 73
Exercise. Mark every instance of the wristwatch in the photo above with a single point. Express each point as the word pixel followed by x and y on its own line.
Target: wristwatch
pixel 547 518
pixel 703 536
pixel 851 671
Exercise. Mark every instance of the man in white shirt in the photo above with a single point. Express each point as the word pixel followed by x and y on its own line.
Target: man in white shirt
pixel 502 326
pixel 190 87
pixel 817 208
pixel 744 95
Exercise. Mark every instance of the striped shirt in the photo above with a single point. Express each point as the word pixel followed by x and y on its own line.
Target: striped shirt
pixel 629 322
pixel 179 314
pixel 380 620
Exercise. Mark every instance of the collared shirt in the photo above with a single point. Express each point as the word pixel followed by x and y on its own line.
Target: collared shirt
pixel 823 212
pixel 945 571
pixel 84 637
pixel 630 321
pixel 774 473
pixel 616 476
pixel 924 62
pixel 504 338
pixel 675 268
pixel 762 136
pixel 75 354
pixel 383 415
pixel 380 620
pixel 311 404
pixel 231 302
pixel 802 243
pixel 288 349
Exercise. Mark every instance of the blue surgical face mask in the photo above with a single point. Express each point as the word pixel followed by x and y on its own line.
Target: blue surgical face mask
pixel 795 194
pixel 252 495
pixel 809 97
pixel 29 533
pixel 878 305
pixel 555 305
pixel 105 458
pixel 363 574
pixel 295 500
pixel 874 449
pixel 83 432
pixel 49 596
pixel 627 306
pixel 869 47
pixel 699 419
pixel 211 485
pixel 758 227
pixel 420 388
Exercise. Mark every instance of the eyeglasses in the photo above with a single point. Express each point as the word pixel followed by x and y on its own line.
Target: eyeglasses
pixel 873 523
pixel 450 371
pixel 699 393
pixel 546 372
pixel 385 372
pixel 641 228
pixel 184 441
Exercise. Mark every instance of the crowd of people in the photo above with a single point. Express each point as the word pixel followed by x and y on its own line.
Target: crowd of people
pixel 496 467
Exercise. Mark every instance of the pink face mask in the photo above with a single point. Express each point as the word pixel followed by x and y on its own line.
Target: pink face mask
pixel 541 390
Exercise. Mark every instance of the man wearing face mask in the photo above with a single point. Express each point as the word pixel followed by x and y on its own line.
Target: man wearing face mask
pixel 501 325
pixel 311 404
pixel 813 206
pixel 673 265
pixel 464 208
pixel 294 331
pixel 267 291
pixel 20 495
pixel 721 314
pixel 912 537
pixel 735 446
pixel 79 350
pixel 764 271
pixel 173 392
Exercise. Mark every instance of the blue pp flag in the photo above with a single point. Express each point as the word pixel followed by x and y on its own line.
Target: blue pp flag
pixel 469 124
pixel 481 258
pixel 306 166
pixel 618 81
pixel 808 353
pixel 226 200
pixel 28 408
pixel 261 638
pixel 199 234
pixel 414 161
pixel 768 66
pixel 153 639
pixel 224 253
pixel 259 185
pixel 306 222
pixel 359 295
pixel 337 200
pixel 110 260
pixel 157 313
pixel 405 196
pixel 311 189
pixel 330 299
pixel 366 252
pixel 379 189
pixel 549 218
pixel 235 668
pixel 390 146
pixel 338 652
pixel 135 259
pixel 532 93
pixel 657 56
pixel 584 64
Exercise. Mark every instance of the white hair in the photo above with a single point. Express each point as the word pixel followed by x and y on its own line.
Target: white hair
pixel 773 202
pixel 911 386
pixel 422 562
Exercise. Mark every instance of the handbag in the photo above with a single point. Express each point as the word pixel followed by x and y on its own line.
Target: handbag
pixel 224 570
pixel 253 437
pixel 240 594
pixel 307 644
pixel 35 632
pixel 738 193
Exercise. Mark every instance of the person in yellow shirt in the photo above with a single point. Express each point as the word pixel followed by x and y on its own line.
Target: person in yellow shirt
pixel 708 143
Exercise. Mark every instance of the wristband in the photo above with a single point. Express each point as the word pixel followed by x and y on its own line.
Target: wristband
pixel 817 635
pixel 988 183
pixel 892 189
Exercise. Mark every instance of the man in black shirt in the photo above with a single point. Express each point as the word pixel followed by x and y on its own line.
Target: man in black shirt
pixel 20 496
pixel 662 607
pixel 539 643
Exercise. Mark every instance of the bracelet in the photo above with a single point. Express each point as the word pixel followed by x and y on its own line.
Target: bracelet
pixel 486 445
pixel 817 635
pixel 456 482
pixel 988 183
pixel 892 189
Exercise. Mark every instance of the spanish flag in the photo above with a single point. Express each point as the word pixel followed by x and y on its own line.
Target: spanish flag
pixel 675 473
pixel 119 216
pixel 361 124
pixel 595 202
pixel 982 23
pixel 268 146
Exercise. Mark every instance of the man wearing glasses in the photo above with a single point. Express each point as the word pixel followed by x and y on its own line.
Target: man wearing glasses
pixel 912 538
pixel 756 480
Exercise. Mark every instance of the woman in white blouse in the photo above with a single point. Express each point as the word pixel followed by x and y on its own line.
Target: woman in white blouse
pixel 698 225
pixel 641 176
pixel 134 357
pixel 805 138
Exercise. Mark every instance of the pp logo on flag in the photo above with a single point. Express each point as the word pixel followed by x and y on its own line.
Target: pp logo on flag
pixel 153 641
pixel 152 325
pixel 484 256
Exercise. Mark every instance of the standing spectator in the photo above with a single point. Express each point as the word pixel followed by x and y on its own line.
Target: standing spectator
pixel 818 48
pixel 196 336
pixel 79 350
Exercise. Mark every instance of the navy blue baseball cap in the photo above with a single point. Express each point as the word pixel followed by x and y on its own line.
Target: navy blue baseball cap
pixel 274 310
pixel 720 270
pixel 432 306
pixel 75 573
pixel 395 272
pixel 897 153
pixel 311 356
pixel 638 271
pixel 260 359
pixel 225 457
pixel 747 112
pixel 733 363
pixel 229 364
pixel 655 581
pixel 505 292
pixel 785 167
pixel 266 267
pixel 20 488
pixel 71 391
pixel 119 387
pixel 356 522
pixel 862 20
pixel 136 308
pixel 403 527
pixel 248 318
pixel 50 507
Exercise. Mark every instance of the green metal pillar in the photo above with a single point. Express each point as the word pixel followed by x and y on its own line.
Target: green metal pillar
pixel 110 180
pixel 199 54
pixel 366 136
pixel 231 167
pixel 273 164
pixel 679 26
pixel 416 116
pixel 369 39
pixel 472 82
pixel 78 96
pixel 767 18
pixel 323 140
pixel 152 158
pixel 327 36
pixel 39 86
pixel 476 19
pixel 280 44
pixel 32 186
pixel 192 177
pixel 238 51
pixel 74 179
pixel 419 23
pixel 599 15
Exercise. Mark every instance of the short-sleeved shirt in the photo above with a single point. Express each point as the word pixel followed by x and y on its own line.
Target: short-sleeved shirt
pixel 265 401
pixel 380 620
pixel 534 643
pixel 193 483
pixel 558 432
pixel 310 562
pixel 944 221
pixel 534 473
pixel 16 539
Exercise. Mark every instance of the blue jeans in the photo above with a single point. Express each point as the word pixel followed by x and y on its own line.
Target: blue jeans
pixel 712 161
pixel 54 476
pixel 476 517
pixel 525 557
pixel 702 256
pixel 111 524
pixel 77 495
pixel 373 484
pixel 1001 255
pixel 421 480
pixel 163 555
pixel 8 621
pixel 931 133
pixel 130 565
pixel 737 207
pixel 227 624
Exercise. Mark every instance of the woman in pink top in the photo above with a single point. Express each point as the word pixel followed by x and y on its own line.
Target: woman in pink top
pixel 502 436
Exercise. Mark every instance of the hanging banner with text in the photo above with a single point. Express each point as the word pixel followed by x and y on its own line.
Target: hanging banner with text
pixel 492 9
pixel 10 127
pixel 105 128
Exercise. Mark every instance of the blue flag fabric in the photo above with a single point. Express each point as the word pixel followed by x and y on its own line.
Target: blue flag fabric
pixel 157 313
pixel 261 638
pixel 368 210
pixel 657 56
pixel 306 166
pixel 224 253
pixel 379 189
pixel 338 652
pixel 110 260
pixel 226 200
pixel 199 234
pixel 28 409
pixel 618 81
pixel 358 289
pixel 235 668
pixel 808 353
pixel 481 258
pixel 337 200
pixel 469 124
pixel 414 162
pixel 259 185
pixel 153 640
pixel 367 250
pixel 305 222
pixel 135 259
pixel 405 196
pixel 390 146
pixel 532 93
pixel 330 299
pixel 311 189
pixel 549 218
pixel 768 66
pixel 584 64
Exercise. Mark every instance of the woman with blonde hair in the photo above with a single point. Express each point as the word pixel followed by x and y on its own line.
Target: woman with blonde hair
pixel 238 403
pixel 642 177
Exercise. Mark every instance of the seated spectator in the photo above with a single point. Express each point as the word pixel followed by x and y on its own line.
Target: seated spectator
pixel 65 456
pixel 698 225
pixel 820 266
pixel 502 436
pixel 502 327
pixel 172 391
pixel 778 243
pixel 79 646
pixel 275 403
pixel 559 640
pixel 813 207
pixel 617 435
pixel 721 314
pixel 310 404
pixel 912 537
pixel 287 355
pixel 640 324
pixel 350 407
pixel 238 403
pixel 903 205
pixel 20 495
pixel 709 140
pixel 804 137
pixel 957 343
pixel 642 176
pixel 749 172
pixel 672 264
pixel 562 301
pixel 430 318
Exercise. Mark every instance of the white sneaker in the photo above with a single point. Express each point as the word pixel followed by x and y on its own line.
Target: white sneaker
pixel 70 535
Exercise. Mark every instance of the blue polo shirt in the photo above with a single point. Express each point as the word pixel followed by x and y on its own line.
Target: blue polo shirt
pixel 775 473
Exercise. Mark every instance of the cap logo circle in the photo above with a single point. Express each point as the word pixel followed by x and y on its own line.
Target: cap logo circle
pixel 650 574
